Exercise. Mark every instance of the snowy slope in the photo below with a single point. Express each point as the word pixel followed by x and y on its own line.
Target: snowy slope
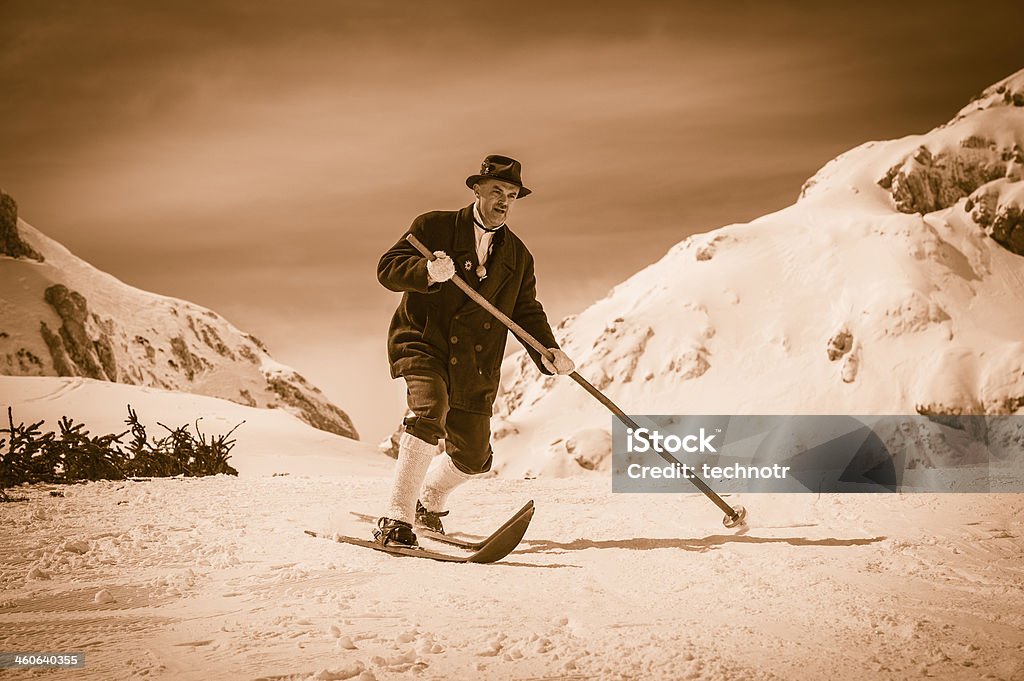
pixel 883 289
pixel 212 578
pixel 63 317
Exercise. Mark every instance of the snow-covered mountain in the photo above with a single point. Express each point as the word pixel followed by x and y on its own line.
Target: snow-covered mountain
pixel 60 316
pixel 894 285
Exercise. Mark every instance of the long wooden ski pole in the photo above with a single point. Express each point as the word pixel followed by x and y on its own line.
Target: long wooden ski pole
pixel 733 516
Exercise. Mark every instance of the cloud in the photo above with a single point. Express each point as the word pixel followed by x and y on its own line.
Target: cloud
pixel 245 153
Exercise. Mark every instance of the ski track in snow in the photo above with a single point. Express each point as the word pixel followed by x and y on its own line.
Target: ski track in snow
pixel 64 387
pixel 213 578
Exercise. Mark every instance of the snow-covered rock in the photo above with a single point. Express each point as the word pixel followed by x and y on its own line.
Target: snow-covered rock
pixel 11 243
pixel 103 596
pixel 59 316
pixel 893 285
pixel 998 207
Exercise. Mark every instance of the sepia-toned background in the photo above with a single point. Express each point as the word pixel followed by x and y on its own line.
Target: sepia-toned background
pixel 257 159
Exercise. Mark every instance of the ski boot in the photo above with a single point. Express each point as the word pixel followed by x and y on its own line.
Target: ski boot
pixel 391 532
pixel 429 520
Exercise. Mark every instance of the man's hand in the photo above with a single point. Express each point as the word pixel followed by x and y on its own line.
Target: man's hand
pixel 441 269
pixel 561 365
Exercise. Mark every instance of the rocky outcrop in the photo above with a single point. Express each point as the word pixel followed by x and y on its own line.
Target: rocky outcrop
pixel 998 207
pixel 937 176
pixel 72 349
pixel 991 178
pixel 1008 93
pixel 10 241
pixel 209 336
pixel 62 364
pixel 23 361
pixel 926 181
pixel 185 360
pixel 839 344
pixel 295 392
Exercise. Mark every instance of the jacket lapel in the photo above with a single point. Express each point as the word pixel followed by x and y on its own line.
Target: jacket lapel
pixel 464 247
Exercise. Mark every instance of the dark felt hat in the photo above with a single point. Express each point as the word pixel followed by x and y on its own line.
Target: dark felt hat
pixel 502 168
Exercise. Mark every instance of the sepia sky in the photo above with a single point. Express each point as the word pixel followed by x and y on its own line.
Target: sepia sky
pixel 257 158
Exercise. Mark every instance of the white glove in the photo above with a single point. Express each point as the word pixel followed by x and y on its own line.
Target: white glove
pixel 441 269
pixel 562 365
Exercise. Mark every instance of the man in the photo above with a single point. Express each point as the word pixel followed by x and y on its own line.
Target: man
pixel 449 349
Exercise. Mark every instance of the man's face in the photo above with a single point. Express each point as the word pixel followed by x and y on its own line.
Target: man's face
pixel 495 199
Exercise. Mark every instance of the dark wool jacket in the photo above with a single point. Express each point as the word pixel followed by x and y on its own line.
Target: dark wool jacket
pixel 439 329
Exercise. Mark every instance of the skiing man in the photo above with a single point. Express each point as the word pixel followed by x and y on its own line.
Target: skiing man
pixel 449 349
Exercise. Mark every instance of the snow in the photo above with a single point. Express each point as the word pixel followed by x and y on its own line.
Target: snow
pixel 210 578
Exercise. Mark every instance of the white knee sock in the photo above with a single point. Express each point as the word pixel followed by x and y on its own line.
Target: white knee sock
pixel 414 457
pixel 441 480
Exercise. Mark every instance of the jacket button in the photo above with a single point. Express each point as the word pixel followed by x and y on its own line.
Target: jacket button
pixel 487 325
pixel 478 348
pixel 454 339
pixel 455 360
